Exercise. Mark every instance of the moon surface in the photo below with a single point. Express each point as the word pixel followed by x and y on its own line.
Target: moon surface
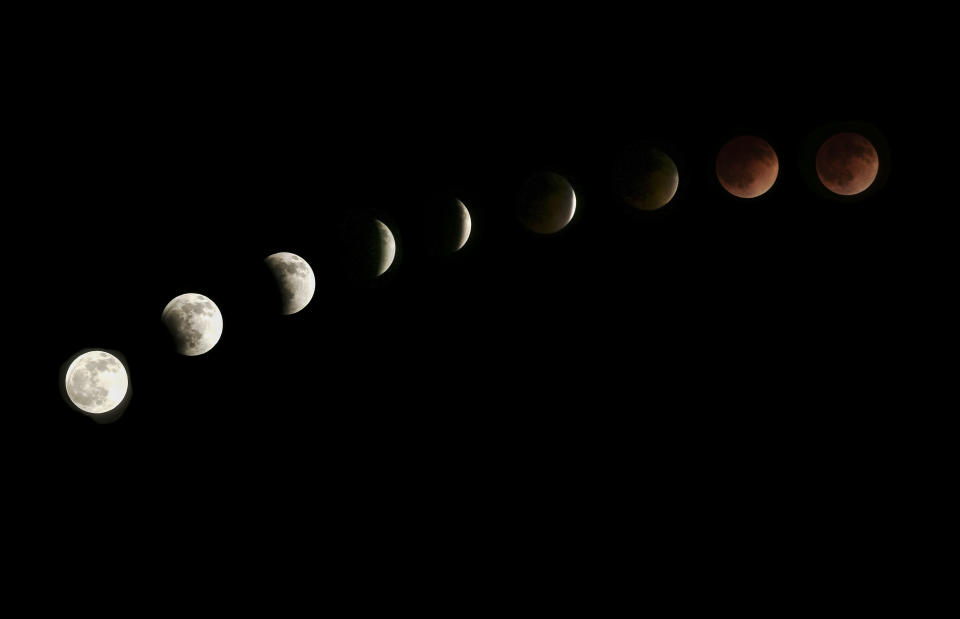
pixel 295 280
pixel 368 246
pixel 847 164
pixel 747 166
pixel 388 247
pixel 96 382
pixel 445 225
pixel 647 178
pixel 465 225
pixel 547 203
pixel 195 323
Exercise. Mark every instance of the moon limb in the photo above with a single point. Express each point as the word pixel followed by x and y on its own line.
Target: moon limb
pixel 647 178
pixel 547 203
pixel 388 247
pixel 96 382
pixel 295 280
pixel 466 225
pixel 194 322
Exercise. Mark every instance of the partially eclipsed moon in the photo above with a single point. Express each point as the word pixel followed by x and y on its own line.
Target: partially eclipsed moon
pixel 195 323
pixel 647 178
pixel 547 203
pixel 465 225
pixel 847 164
pixel 388 248
pixel 96 382
pixel 295 279
pixel 747 166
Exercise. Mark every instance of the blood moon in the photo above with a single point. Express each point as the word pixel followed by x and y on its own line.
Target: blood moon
pixel 747 166
pixel 847 164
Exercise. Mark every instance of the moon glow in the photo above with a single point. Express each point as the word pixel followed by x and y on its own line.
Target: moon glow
pixel 847 164
pixel 747 166
pixel 96 382
pixel 647 179
pixel 547 203
pixel 295 280
pixel 195 323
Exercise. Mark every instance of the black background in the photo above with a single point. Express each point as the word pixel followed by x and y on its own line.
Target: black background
pixel 721 370
pixel 165 162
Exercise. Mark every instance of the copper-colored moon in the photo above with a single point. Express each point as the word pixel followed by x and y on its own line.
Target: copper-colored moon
pixel 747 166
pixel 847 164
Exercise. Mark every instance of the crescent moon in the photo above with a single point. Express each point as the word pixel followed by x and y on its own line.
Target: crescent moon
pixel 466 226
pixel 388 248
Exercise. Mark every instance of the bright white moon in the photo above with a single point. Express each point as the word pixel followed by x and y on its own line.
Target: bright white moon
pixel 195 323
pixel 388 247
pixel 295 279
pixel 96 382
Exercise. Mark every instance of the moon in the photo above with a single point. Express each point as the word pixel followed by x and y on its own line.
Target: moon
pixel 547 203
pixel 747 166
pixel 647 178
pixel 368 246
pixel 847 164
pixel 445 225
pixel 465 225
pixel 388 247
pixel 195 323
pixel 96 382
pixel 295 280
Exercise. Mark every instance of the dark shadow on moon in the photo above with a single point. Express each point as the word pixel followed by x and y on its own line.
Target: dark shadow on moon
pixel 363 247
pixel 547 203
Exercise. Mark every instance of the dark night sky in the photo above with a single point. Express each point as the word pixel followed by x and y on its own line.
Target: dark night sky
pixel 718 373
pixel 179 166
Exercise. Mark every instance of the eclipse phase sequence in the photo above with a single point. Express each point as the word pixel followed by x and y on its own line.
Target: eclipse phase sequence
pixel 646 178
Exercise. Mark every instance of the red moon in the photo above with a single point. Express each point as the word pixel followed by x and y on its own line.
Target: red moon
pixel 847 164
pixel 747 166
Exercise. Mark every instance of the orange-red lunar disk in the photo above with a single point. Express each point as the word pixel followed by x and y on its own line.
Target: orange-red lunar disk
pixel 747 166
pixel 847 164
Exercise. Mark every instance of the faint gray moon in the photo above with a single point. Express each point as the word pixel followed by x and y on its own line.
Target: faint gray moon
pixel 295 280
pixel 388 247
pixel 96 382
pixel 465 225
pixel 195 323
pixel 547 203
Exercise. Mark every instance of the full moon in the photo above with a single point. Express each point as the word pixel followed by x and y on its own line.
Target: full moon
pixel 295 280
pixel 547 203
pixel 96 382
pixel 195 323
pixel 647 179
pixel 847 164
pixel 747 166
